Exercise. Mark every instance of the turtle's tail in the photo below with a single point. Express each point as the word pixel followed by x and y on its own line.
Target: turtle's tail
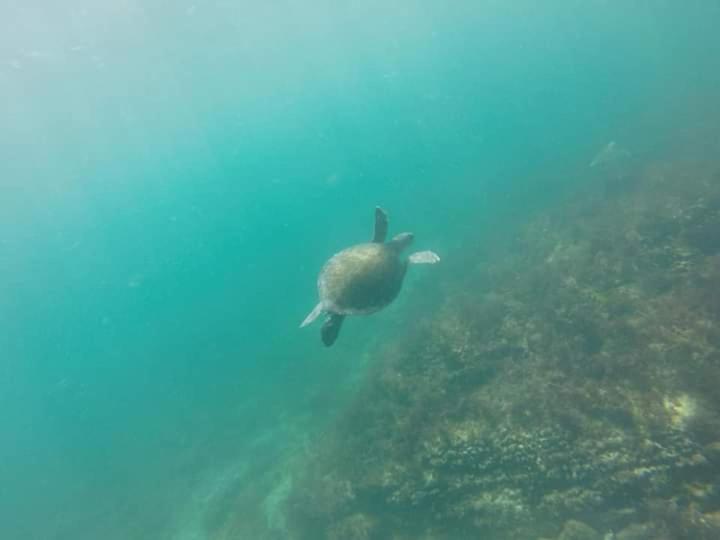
pixel 331 328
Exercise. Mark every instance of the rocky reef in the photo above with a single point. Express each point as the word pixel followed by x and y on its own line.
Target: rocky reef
pixel 566 389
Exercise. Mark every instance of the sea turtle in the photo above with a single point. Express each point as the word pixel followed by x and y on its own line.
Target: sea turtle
pixel 363 278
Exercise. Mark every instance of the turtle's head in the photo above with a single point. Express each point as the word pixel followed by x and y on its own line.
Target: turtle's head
pixel 402 240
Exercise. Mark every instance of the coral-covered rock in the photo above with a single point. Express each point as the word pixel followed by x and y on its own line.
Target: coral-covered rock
pixel 573 376
pixel 577 530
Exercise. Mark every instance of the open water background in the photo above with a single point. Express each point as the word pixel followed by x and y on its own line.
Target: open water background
pixel 174 174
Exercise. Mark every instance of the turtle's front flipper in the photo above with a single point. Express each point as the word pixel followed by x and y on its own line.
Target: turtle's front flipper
pixel 381 225
pixel 424 257
pixel 331 328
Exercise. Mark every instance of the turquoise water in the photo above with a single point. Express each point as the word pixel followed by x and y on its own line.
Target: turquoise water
pixel 174 175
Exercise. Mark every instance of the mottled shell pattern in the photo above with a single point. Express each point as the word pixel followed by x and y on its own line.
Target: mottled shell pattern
pixel 361 279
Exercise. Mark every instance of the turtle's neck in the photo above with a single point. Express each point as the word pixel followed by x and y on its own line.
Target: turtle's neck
pixel 401 241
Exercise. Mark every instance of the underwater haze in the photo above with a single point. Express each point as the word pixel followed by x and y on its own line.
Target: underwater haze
pixel 174 174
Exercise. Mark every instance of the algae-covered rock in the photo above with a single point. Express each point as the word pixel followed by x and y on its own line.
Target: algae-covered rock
pixel 577 530
pixel 572 376
pixel 641 531
pixel 354 527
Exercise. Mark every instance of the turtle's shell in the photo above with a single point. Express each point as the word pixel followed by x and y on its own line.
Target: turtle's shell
pixel 361 279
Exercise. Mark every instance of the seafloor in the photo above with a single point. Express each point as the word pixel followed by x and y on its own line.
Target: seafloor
pixel 567 388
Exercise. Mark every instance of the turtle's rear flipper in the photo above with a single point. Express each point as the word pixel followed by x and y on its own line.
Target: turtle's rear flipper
pixel 331 328
pixel 317 310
